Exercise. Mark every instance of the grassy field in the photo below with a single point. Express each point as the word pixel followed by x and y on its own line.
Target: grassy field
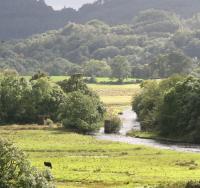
pixel 116 97
pixel 82 161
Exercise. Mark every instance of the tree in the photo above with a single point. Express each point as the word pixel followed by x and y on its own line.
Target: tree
pixel 149 102
pixel 76 83
pixel 81 113
pixel 22 101
pixel 120 68
pixel 46 97
pixel 172 63
pixel 97 68
pixel 16 171
pixel 179 113
pixel 13 91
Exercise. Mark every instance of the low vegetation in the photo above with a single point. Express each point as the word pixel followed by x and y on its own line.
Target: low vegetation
pixel 112 125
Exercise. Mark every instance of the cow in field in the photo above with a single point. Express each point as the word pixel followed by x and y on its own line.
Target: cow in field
pixel 48 164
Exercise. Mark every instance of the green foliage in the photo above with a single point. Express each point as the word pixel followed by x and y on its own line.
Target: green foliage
pixel 112 125
pixel 97 68
pixel 16 172
pixel 192 184
pixel 151 21
pixel 76 83
pixel 38 75
pixel 147 103
pixel 169 64
pixel 120 68
pixel 171 107
pixel 81 113
pixel 46 97
pixel 91 48
pixel 22 101
pixel 179 114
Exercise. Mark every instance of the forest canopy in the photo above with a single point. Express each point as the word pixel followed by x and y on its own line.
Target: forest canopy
pixel 155 39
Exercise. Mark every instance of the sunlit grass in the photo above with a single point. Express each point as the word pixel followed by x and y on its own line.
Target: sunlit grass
pixel 83 161
pixel 116 97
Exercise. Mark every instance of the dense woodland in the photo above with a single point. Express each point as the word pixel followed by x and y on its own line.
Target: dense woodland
pixel 170 107
pixel 155 44
pixel 39 99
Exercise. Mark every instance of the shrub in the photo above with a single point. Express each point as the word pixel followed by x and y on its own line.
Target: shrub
pixel 16 172
pixel 192 184
pixel 49 122
pixel 81 113
pixel 91 80
pixel 112 125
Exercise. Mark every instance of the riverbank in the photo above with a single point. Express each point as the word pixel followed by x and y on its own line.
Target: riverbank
pixel 154 136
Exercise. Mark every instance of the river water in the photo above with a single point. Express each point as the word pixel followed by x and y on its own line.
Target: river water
pixel 129 119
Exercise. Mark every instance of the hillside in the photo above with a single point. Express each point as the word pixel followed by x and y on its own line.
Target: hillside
pixel 153 44
pixel 123 11
pixel 22 18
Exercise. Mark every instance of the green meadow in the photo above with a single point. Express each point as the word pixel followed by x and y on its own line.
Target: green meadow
pixel 83 161
pixel 116 97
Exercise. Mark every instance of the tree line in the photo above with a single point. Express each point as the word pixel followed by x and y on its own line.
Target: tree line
pixel 170 107
pixel 70 102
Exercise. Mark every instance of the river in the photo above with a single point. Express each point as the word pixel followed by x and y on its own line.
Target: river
pixel 129 120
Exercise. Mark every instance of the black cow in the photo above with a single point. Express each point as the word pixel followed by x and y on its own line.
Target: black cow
pixel 48 164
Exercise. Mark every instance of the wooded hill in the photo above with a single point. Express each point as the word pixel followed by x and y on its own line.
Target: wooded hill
pixel 22 18
pixel 156 44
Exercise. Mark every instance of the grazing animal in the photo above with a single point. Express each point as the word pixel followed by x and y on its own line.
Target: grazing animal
pixel 48 164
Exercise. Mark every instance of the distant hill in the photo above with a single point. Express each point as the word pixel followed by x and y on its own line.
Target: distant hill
pixel 152 34
pixel 22 18
pixel 123 11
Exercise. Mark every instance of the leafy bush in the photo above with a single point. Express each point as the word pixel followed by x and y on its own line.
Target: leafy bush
pixel 16 172
pixel 81 113
pixel 113 125
pixel 91 80
pixel 192 184
pixel 49 122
